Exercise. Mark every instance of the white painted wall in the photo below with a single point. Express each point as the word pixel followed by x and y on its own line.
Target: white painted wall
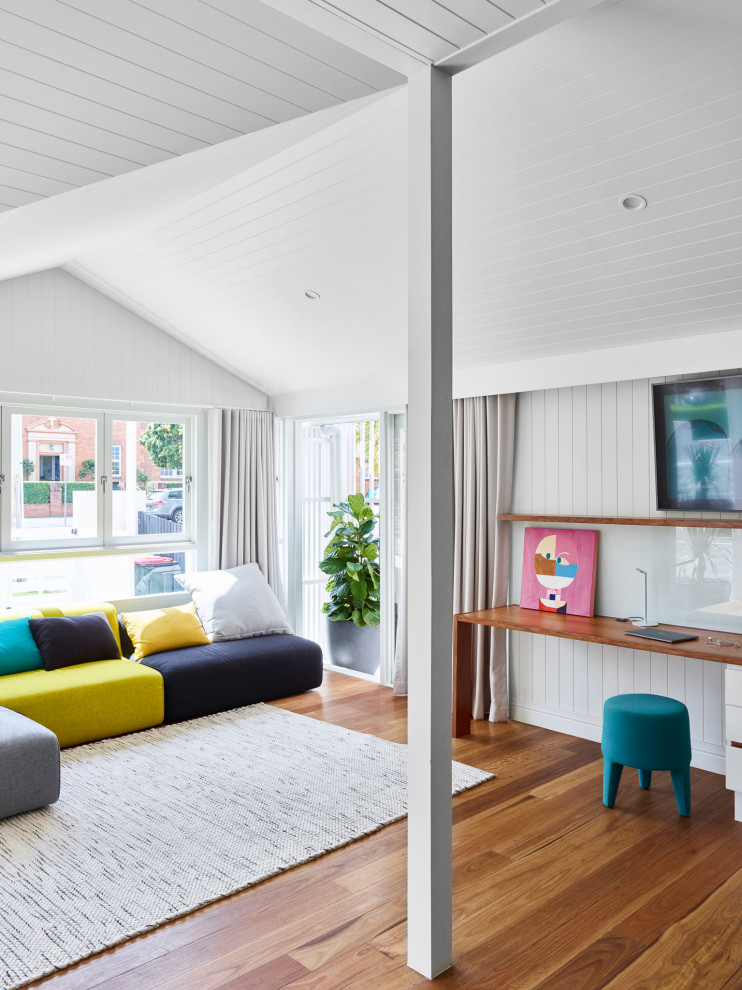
pixel 61 338
pixel 588 450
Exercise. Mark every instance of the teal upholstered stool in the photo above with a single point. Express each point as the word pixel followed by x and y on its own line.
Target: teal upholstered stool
pixel 648 732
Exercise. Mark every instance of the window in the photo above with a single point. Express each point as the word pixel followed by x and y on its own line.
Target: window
pixel 61 505
pixel 143 506
pixel 31 584
pixel 59 499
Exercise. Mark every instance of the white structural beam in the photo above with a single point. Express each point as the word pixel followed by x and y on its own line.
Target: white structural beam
pixel 520 30
pixel 429 524
pixel 348 29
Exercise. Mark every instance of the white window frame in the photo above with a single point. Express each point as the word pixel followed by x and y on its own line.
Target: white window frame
pixel 8 545
pixel 291 468
pixel 195 529
pixel 115 459
pixel 189 503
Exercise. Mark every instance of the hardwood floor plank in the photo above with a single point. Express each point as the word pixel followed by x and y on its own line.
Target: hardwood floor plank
pixel 551 890
pixel 329 945
pixel 703 950
pixel 342 970
pixel 272 976
pixel 595 965
pixel 684 895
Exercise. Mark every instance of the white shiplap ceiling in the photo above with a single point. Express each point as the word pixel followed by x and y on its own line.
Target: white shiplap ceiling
pixel 92 89
pixel 219 245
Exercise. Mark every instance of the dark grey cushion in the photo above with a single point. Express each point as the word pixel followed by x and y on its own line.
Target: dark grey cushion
pixel 29 764
pixel 65 641
pixel 203 680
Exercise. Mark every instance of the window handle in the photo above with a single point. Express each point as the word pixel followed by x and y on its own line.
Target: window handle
pixel 103 480
pixel 2 482
pixel 189 482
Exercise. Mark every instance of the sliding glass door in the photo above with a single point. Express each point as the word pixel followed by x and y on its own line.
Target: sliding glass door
pixel 332 459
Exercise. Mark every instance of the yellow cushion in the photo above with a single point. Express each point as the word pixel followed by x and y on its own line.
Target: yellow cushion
pixel 88 701
pixel 105 607
pixel 161 629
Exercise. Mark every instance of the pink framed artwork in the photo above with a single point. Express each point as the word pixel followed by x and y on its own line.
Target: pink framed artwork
pixel 559 568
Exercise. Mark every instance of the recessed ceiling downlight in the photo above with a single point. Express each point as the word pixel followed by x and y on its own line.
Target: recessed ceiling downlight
pixel 633 202
pixel 311 294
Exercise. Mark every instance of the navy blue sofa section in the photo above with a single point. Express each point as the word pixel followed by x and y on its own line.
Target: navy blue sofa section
pixel 203 680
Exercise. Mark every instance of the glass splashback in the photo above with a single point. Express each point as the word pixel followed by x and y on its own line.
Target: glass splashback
pixel 694 576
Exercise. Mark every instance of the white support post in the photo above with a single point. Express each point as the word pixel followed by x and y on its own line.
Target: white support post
pixel 429 525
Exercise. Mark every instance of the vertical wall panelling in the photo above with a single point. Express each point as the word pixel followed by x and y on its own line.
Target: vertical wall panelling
pixel 624 448
pixel 522 487
pixel 538 452
pixel 566 674
pixel 579 681
pixel 579 450
pixel 538 668
pixel 565 462
pixel 594 680
pixel 641 422
pixel 63 338
pixel 608 450
pixel 588 450
pixel 594 455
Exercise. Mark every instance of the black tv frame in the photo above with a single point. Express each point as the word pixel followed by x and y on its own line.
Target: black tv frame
pixel 664 502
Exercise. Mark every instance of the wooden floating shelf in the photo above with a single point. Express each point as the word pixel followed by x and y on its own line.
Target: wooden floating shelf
pixel 695 523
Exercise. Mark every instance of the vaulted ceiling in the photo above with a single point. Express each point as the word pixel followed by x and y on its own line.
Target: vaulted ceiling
pixel 208 163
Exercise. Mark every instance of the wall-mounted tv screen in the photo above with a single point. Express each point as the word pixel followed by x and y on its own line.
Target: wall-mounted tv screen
pixel 698 444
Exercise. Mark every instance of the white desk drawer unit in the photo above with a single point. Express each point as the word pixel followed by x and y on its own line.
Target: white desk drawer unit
pixel 733 732
pixel 733 692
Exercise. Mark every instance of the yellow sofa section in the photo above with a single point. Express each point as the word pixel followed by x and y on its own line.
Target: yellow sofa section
pixel 87 701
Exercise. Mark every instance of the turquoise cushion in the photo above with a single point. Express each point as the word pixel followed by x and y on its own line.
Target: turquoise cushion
pixel 18 649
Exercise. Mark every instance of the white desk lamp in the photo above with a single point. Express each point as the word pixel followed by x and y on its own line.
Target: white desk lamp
pixel 644 624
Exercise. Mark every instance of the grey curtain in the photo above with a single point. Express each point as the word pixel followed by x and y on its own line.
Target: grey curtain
pixel 242 492
pixel 399 682
pixel 483 440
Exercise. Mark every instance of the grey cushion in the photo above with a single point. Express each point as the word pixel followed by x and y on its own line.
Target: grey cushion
pixel 235 604
pixel 29 764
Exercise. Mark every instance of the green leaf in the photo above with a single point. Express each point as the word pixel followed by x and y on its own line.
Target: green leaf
pixel 332 566
pixel 356 503
pixel 371 616
pixel 350 561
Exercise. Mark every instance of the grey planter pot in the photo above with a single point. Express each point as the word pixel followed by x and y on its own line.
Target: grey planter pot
pixel 354 648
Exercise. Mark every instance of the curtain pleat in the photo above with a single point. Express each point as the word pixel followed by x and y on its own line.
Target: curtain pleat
pixel 483 440
pixel 242 491
pixel 484 429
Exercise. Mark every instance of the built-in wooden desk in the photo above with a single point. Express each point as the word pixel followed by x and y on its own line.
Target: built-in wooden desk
pixel 603 629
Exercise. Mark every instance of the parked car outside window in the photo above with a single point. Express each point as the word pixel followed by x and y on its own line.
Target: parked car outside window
pixel 167 503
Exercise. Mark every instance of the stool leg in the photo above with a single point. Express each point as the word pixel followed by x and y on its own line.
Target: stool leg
pixel 611 780
pixel 645 779
pixel 681 785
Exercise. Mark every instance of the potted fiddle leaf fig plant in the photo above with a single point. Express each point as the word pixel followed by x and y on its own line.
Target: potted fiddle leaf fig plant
pixel 351 561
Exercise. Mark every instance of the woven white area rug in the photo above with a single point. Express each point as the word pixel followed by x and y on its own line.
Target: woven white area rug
pixel 153 825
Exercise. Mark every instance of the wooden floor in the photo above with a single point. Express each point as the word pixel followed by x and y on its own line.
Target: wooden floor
pixel 552 890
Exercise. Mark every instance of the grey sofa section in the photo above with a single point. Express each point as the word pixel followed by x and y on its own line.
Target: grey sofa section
pixel 29 764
